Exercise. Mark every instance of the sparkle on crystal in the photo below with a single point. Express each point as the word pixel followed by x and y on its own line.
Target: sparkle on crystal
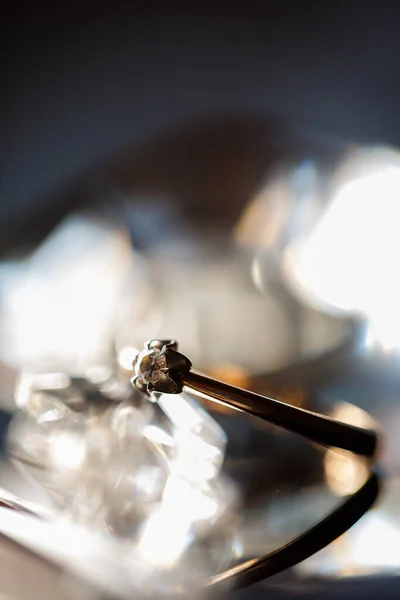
pixel 149 365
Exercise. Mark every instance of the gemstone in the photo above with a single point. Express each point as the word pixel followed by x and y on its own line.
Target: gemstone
pixel 128 421
pixel 148 365
pixel 200 442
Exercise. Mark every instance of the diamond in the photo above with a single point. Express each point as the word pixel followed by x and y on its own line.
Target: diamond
pixel 149 365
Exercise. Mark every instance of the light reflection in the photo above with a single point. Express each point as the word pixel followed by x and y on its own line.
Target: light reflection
pixel 28 383
pixel 158 435
pixel 372 546
pixel 59 305
pixel 181 412
pixel 200 440
pixel 169 530
pixel 192 502
pixel 285 209
pixel 164 537
pixel 350 259
pixel 80 552
pixel 383 547
pixel 345 472
pixel 126 357
pixel 257 273
pixel 42 396
pixel 197 460
pixel 51 381
pixel 352 415
pixel 67 450
pixel 98 373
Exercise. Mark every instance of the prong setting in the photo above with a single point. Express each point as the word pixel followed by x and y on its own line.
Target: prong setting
pixel 159 367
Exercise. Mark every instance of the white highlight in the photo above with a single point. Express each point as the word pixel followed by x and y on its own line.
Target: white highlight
pixel 350 260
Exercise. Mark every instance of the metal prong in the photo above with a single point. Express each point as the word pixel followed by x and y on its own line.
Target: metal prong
pixel 159 344
pixel 139 385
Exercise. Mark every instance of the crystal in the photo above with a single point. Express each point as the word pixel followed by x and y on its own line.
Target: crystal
pixel 67 450
pixel 27 441
pixel 133 486
pixel 128 421
pixel 194 503
pixel 200 442
pixel 137 474
pixel 51 451
pixel 48 396
pixel 59 304
pixel 147 474
pixel 174 553
pixel 164 537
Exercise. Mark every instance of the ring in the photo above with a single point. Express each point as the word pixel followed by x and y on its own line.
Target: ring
pixel 160 368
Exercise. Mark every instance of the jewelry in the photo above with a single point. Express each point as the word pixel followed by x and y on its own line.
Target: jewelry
pixel 160 368
pixel 73 451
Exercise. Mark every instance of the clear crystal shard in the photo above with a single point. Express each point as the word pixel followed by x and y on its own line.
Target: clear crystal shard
pixel 200 442
pixel 128 422
pixel 147 474
pixel 48 396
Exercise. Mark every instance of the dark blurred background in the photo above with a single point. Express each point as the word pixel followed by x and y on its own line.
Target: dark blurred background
pixel 83 82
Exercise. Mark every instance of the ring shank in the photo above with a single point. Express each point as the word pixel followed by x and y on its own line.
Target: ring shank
pixel 307 544
pixel 318 428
